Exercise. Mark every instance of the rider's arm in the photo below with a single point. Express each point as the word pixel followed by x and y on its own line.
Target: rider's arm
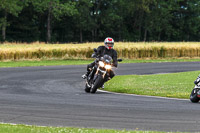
pixel 115 62
pixel 99 50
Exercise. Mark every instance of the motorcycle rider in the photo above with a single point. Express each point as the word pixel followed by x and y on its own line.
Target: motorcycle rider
pixel 107 49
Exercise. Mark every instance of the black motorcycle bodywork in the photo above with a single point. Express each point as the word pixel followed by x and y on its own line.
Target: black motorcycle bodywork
pixel 99 73
pixel 195 94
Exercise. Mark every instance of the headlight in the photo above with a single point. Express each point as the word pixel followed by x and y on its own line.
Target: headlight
pixel 101 64
pixel 108 66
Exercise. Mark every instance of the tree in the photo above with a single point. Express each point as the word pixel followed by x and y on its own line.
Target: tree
pixel 93 20
pixel 111 19
pixel 12 7
pixel 26 27
pixel 137 13
pixel 83 18
pixel 54 9
pixel 189 12
pixel 158 21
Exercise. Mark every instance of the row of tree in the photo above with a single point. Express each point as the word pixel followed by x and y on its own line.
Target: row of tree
pixel 93 20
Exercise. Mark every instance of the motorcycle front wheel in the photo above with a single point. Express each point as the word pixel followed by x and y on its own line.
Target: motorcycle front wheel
pixel 193 97
pixel 98 82
pixel 87 89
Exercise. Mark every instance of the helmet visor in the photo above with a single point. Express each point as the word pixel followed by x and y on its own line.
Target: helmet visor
pixel 110 44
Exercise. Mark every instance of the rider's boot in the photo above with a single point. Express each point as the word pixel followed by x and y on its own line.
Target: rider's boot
pixel 84 76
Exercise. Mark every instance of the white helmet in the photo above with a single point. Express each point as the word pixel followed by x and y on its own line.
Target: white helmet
pixel 109 43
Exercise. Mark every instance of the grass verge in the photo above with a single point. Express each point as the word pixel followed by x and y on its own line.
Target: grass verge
pixel 80 62
pixel 43 63
pixel 8 128
pixel 174 85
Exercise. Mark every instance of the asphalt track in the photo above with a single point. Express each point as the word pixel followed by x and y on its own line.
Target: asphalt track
pixel 54 96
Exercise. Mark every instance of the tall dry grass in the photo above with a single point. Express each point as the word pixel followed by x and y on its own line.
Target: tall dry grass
pixel 14 51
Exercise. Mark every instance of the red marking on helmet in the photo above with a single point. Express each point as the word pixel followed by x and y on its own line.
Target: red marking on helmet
pixel 109 39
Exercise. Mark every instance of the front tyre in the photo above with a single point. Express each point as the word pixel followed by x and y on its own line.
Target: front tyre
pixel 98 82
pixel 193 97
pixel 87 88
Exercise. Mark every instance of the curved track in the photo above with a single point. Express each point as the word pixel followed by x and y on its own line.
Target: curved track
pixel 54 96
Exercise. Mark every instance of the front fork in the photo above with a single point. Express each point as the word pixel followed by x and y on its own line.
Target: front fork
pixel 103 72
pixel 93 76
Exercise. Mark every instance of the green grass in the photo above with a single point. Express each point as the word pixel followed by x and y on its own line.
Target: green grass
pixel 174 85
pixel 8 128
pixel 43 63
pixel 79 62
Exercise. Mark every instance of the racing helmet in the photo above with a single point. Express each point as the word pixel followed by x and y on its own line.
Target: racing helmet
pixel 109 43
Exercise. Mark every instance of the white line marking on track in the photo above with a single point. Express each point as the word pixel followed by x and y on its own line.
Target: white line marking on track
pixel 143 96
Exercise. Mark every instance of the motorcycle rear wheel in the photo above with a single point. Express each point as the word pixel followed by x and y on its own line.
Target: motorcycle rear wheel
pixel 193 97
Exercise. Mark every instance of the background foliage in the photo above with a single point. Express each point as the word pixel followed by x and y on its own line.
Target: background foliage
pixel 93 20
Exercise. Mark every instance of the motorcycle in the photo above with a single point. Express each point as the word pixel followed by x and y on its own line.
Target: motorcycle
pixel 195 94
pixel 99 73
